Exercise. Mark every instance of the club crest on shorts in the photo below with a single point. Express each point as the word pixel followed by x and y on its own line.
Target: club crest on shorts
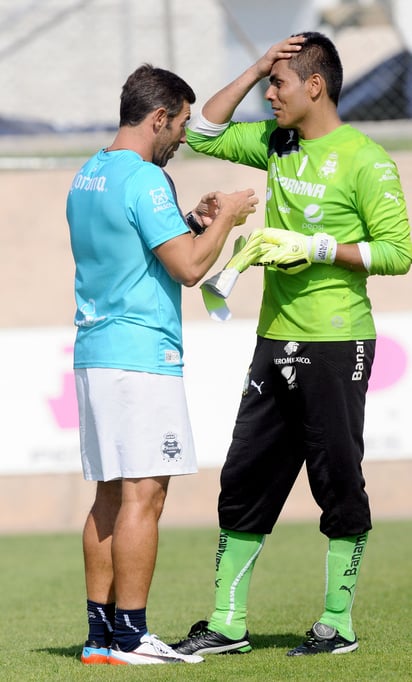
pixel 171 448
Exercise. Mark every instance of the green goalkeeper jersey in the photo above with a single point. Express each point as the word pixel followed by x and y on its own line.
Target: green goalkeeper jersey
pixel 343 184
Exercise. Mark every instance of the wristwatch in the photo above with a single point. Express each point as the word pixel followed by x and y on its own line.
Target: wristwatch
pixel 193 224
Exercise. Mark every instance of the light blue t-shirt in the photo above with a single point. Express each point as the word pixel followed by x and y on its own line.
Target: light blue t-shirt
pixel 128 314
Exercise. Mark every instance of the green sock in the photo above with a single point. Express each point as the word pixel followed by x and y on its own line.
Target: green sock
pixel 343 563
pixel 235 559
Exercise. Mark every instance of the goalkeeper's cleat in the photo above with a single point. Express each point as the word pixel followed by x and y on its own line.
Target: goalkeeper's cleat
pixel 200 640
pixel 94 654
pixel 151 651
pixel 323 639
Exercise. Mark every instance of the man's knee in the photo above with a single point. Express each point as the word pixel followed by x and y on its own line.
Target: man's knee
pixel 149 493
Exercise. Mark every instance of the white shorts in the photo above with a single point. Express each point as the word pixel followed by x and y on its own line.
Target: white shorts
pixel 133 425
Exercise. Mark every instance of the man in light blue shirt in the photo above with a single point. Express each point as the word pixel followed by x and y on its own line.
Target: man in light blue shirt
pixel 133 249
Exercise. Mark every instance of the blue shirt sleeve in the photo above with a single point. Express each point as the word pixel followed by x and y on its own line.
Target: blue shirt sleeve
pixel 154 208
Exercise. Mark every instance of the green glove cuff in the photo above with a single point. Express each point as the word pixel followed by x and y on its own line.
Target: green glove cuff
pixel 249 252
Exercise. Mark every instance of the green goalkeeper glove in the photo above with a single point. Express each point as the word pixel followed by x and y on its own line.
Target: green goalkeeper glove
pixel 292 252
pixel 245 253
pixel 217 288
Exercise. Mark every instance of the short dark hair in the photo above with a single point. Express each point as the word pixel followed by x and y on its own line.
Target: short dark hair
pixel 149 88
pixel 319 55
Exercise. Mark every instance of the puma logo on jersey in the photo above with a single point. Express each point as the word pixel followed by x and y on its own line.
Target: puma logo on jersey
pixel 394 197
pixel 257 386
pixel 291 137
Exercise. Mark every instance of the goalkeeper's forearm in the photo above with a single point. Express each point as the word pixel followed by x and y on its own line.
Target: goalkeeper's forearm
pixel 219 109
pixel 354 257
pixel 325 249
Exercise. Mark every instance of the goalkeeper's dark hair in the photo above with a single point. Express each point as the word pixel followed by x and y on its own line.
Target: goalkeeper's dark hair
pixel 149 88
pixel 319 55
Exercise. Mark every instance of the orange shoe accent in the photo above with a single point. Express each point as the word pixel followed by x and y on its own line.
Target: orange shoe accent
pixel 115 661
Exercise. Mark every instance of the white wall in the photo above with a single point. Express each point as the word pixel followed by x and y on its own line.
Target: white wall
pixel 39 411
pixel 402 17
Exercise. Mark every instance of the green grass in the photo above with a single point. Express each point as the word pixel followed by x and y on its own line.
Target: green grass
pixel 43 611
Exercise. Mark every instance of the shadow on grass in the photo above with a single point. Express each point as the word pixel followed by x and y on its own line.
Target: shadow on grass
pixel 64 651
pixel 280 641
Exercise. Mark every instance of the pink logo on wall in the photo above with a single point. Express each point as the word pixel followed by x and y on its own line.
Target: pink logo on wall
pixel 64 407
pixel 391 361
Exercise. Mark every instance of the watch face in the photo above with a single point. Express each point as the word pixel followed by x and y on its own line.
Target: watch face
pixel 193 224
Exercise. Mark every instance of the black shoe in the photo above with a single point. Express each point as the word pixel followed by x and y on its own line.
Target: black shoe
pixel 203 641
pixel 322 639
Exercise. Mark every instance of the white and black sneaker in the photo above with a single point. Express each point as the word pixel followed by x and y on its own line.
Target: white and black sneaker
pixel 150 651
pixel 323 639
pixel 201 640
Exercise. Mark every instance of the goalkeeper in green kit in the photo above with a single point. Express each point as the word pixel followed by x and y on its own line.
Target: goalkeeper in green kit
pixel 335 214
